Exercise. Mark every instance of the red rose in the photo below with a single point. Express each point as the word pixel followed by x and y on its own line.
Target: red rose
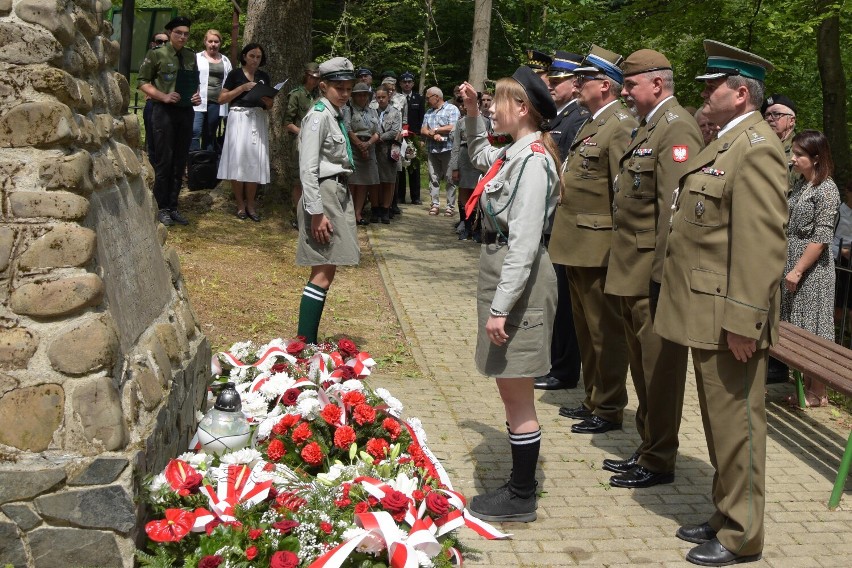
pixel 210 561
pixel 393 428
pixel 354 398
pixel 396 503
pixel 331 413
pixel 438 503
pixel 364 414
pixel 377 447
pixel 295 347
pixel 344 437
pixel 278 368
pixel 285 526
pixel 251 552
pixel 346 373
pixel 254 534
pixel 418 495
pixel 362 507
pixel 284 559
pixel 326 527
pixel 347 347
pixel 290 397
pixel 276 450
pixel 312 454
pixel 302 433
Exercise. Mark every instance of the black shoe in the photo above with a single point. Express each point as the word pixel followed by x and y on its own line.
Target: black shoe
pixel 595 425
pixel 375 216
pixel 776 372
pixel 621 466
pixel 386 217
pixel 253 216
pixel 477 237
pixel 639 477
pixel 464 235
pixel 699 534
pixel 417 202
pixel 503 505
pixel 712 553
pixel 363 222
pixel 550 383
pixel 178 218
pixel 578 413
pixel 164 217
pixel 396 210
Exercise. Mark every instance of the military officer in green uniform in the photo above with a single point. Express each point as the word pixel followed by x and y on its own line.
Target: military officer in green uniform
pixel 580 240
pixel 650 170
pixel 720 295
pixel 328 236
pixel 299 101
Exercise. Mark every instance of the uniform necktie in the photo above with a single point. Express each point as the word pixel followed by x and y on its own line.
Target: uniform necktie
pixel 346 138
pixel 470 206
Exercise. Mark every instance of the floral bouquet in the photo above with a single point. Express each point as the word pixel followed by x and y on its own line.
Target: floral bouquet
pixel 335 477
pixel 498 140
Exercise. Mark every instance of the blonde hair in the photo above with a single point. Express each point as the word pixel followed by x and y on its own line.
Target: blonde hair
pixel 507 90
pixel 216 33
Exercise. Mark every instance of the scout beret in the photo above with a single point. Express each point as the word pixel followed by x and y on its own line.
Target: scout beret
pixel 388 73
pixel 536 90
pixel 178 22
pixel 406 76
pixel 537 60
pixel 563 64
pixel 644 61
pixel 337 69
pixel 778 99
pixel 600 60
pixel 312 69
pixel 361 88
pixel 724 60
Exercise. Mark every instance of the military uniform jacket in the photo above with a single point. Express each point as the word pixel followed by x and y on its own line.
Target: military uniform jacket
pixel 582 226
pixel 390 124
pixel 299 102
pixel 651 169
pixel 322 152
pixel 415 111
pixel 564 127
pixel 362 122
pixel 517 202
pixel 727 246
pixel 160 67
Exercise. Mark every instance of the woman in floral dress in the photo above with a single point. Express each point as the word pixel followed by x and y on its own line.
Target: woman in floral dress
pixel 807 292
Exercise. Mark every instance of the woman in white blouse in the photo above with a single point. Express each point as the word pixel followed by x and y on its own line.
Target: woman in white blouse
pixel 213 69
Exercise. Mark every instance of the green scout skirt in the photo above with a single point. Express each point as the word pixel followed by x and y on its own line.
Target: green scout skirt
pixel 530 323
pixel 343 249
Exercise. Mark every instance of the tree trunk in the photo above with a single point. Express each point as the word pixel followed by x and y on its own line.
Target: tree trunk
pixel 425 63
pixel 478 71
pixel 833 82
pixel 283 28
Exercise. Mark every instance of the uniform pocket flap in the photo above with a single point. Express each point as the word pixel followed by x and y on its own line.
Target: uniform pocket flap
pixel 338 138
pixel 646 239
pixel 708 282
pixel 528 319
pixel 714 187
pixel 642 165
pixel 590 151
pixel 594 220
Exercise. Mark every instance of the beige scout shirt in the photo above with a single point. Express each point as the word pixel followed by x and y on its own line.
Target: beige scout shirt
pixel 322 152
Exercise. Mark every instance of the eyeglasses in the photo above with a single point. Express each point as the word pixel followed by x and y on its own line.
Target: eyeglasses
pixel 160 41
pixel 776 115
pixel 180 34
pixel 429 98
pixel 581 80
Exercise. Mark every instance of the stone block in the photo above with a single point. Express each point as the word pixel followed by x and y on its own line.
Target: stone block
pixel 101 471
pixel 159 358
pixel 67 244
pixel 11 546
pixel 69 173
pixel 50 14
pixel 107 507
pixel 85 346
pixel 149 385
pixel 120 80
pixel 24 45
pixel 103 170
pixel 9 170
pixel 7 383
pixel 56 82
pixel 103 128
pixel 7 241
pixel 131 130
pixel 29 417
pixel 130 163
pixel 173 260
pixel 58 205
pixel 23 515
pixel 17 346
pixel 79 58
pixel 39 123
pixel 5 7
pixel 66 546
pixel 115 98
pixel 168 338
pixel 87 20
pixel 57 298
pixel 188 317
pixel 87 136
pixel 96 403
pixel 15 486
pixel 84 105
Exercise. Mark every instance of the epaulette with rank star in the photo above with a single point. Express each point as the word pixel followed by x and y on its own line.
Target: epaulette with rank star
pixel 319 106
pixel 756 138
pixel 622 115
pixel 670 116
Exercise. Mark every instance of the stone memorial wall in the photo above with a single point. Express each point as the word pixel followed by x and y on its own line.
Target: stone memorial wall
pixel 102 362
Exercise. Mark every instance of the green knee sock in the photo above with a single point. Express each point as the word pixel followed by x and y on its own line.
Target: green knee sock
pixel 310 311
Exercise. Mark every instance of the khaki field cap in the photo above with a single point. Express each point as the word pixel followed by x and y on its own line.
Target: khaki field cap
pixel 337 69
pixel 643 61
pixel 724 60
pixel 312 69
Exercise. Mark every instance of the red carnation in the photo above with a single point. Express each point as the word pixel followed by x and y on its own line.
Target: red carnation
pixel 278 368
pixel 377 447
pixel 285 526
pixel 254 534
pixel 312 454
pixel 396 503
pixel 210 561
pixel 326 527
pixel 364 414
pixel 362 507
pixel 302 433
pixel 290 397
pixel 284 559
pixel 354 398
pixel 331 413
pixel 295 347
pixel 393 428
pixel 438 503
pixel 276 450
pixel 344 437
pixel 251 552
pixel 347 347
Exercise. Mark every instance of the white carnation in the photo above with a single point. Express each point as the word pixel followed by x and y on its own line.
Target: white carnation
pixel 372 543
pixel 423 559
pixel 276 385
pixel 158 483
pixel 255 405
pixel 244 456
pixel 394 405
pixel 196 459
pixel 309 408
pixel 352 386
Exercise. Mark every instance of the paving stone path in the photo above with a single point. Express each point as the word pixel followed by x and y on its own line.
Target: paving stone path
pixel 431 279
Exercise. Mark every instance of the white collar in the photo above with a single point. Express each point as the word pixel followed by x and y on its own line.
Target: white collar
pixel 603 108
pixel 733 123
pixel 656 108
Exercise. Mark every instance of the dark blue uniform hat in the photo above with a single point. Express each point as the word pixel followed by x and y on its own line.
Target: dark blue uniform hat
pixel 406 76
pixel 564 64
pixel 537 60
pixel 536 90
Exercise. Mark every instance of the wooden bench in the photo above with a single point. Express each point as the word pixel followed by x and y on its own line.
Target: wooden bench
pixel 826 362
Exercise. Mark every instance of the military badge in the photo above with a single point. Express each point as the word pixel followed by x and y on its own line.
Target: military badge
pixel 643 152
pixel 537 147
pixel 699 209
pixel 680 153
pixel 712 172
pixel 588 142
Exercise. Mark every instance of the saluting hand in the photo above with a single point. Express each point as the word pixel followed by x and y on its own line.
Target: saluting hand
pixel 321 228
pixel 471 103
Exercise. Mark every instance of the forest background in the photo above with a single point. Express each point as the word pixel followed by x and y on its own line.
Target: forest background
pixel 808 41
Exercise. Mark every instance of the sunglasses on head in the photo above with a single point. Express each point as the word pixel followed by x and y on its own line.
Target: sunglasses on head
pixel 160 41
